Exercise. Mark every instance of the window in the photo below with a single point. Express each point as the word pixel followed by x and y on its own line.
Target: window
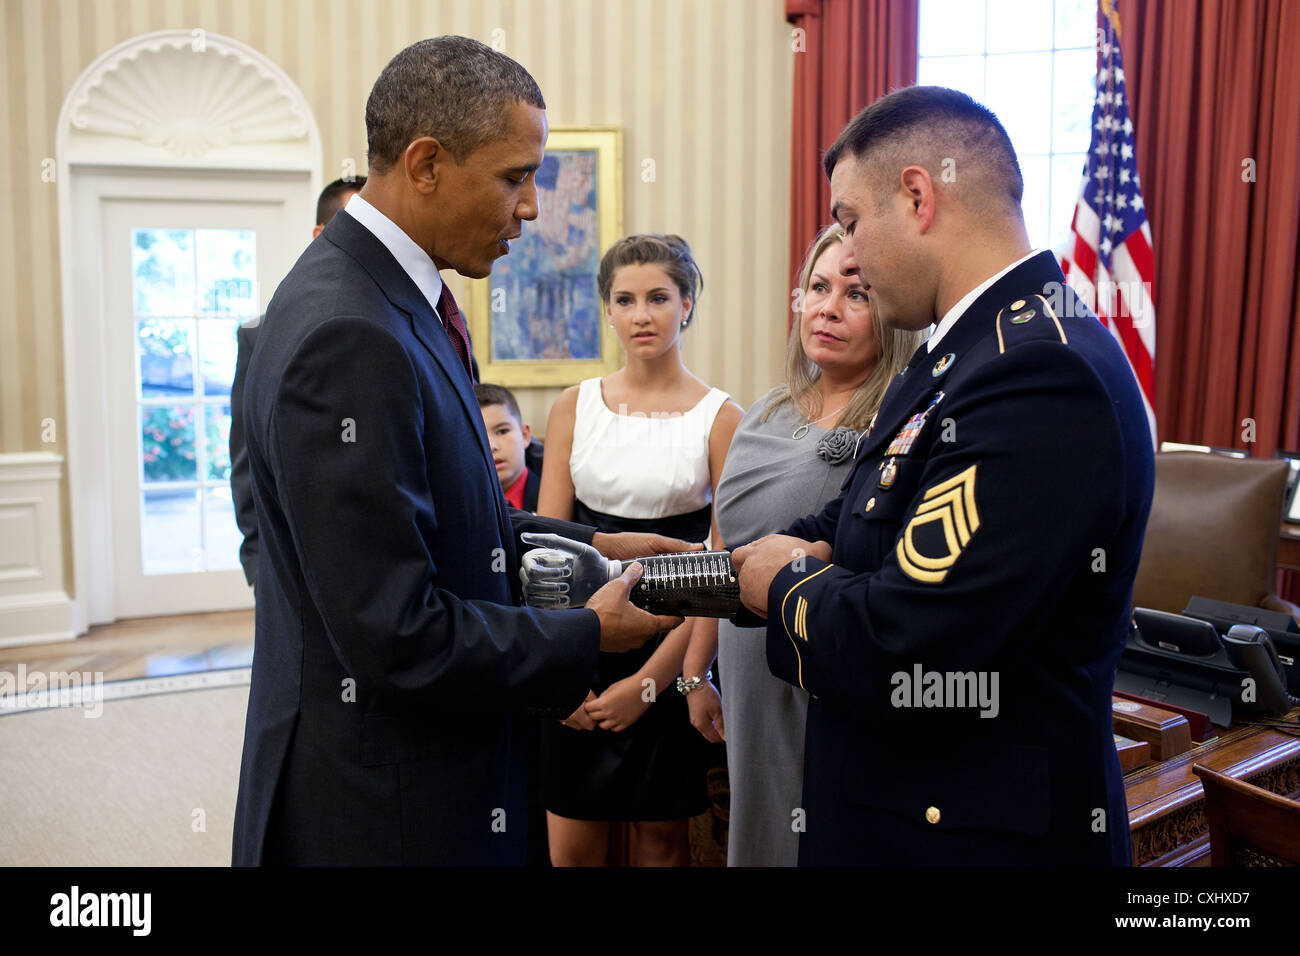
pixel 1034 63
pixel 191 289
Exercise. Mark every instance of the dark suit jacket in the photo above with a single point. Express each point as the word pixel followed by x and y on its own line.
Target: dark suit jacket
pixel 999 534
pixel 390 658
pixel 241 488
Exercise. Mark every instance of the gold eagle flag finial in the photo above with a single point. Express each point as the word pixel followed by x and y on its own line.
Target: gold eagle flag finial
pixel 1110 10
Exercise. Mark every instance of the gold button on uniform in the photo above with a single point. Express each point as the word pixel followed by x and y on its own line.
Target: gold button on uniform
pixel 1017 305
pixel 932 814
pixel 871 503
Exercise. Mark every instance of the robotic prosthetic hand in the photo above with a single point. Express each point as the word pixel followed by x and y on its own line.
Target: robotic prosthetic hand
pixel 563 573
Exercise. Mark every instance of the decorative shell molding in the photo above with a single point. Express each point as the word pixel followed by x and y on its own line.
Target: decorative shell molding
pixel 189 93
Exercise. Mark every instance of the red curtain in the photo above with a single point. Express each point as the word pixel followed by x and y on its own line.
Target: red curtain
pixel 1216 98
pixel 850 53
pixel 1215 95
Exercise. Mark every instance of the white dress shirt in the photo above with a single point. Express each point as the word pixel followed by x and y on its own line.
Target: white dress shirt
pixel 965 302
pixel 414 260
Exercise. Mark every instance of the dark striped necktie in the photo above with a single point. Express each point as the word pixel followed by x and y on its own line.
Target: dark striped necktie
pixel 455 326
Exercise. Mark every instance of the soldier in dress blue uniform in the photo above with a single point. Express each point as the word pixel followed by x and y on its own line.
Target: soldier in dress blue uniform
pixel 958 611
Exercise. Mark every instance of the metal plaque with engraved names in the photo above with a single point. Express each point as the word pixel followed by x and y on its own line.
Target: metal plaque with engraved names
pixel 692 584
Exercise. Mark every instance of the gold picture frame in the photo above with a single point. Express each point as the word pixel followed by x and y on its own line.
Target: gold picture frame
pixel 537 321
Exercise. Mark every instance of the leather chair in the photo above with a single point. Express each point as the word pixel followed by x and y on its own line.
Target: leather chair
pixel 1249 826
pixel 1213 532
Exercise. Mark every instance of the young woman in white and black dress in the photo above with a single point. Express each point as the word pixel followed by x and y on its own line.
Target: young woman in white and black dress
pixel 788 458
pixel 639 450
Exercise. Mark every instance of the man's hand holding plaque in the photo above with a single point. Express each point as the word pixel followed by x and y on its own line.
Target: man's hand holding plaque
pixel 623 626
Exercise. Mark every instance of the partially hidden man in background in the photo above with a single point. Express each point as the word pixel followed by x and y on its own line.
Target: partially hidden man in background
pixel 332 198
pixel 391 654
pixel 960 608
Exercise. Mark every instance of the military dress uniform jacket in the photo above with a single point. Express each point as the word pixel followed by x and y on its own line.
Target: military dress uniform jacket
pixel 391 665
pixel 989 532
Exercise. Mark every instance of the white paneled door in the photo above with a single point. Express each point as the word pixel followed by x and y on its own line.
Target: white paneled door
pixel 178 279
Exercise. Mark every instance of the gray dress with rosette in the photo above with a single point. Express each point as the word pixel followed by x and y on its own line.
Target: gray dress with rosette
pixel 770 480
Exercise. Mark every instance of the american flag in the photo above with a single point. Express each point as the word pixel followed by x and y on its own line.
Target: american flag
pixel 1108 259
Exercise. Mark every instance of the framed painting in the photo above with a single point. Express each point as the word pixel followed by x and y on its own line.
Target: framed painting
pixel 538 320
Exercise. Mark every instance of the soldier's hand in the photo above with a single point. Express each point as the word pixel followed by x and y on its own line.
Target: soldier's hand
pixel 758 562
pixel 623 625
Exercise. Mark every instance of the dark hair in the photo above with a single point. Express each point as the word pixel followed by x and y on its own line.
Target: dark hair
pixel 927 125
pixel 671 252
pixel 332 198
pixel 498 395
pixel 454 89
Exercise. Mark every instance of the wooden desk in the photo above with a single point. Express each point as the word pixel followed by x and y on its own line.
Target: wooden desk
pixel 1166 805
pixel 1288 547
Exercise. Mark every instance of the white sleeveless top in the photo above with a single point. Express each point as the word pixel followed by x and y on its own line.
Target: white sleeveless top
pixel 639 465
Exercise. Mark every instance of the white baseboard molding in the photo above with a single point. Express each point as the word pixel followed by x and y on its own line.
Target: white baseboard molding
pixel 34 605
pixel 39 618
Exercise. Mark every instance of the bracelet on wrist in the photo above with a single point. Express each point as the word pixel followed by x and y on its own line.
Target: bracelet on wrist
pixel 693 683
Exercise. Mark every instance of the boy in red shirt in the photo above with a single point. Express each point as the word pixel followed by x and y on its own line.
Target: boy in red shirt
pixel 509 439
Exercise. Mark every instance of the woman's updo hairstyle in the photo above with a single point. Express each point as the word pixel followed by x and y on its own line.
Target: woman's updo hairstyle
pixel 673 253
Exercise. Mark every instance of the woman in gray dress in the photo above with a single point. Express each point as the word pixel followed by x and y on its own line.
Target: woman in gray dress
pixel 788 458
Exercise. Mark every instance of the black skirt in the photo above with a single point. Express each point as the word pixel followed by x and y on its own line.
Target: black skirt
pixel 653 770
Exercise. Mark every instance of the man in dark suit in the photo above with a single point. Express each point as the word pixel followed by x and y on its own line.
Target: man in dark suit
pixel 391 655
pixel 958 611
pixel 332 198
pixel 519 469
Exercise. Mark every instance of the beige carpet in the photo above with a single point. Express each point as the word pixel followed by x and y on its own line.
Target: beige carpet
pixel 122 789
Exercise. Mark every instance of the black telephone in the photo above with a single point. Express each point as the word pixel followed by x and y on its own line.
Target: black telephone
pixel 1187 662
pixel 1251 649
pixel 1280 628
